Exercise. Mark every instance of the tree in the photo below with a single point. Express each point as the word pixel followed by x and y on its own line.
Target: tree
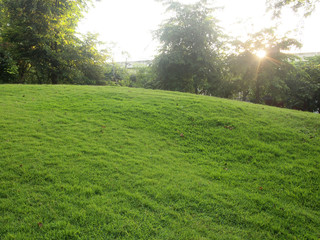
pixel 243 68
pixel 37 34
pixel 307 6
pixel 89 61
pixel 189 59
pixel 304 85
pixel 262 79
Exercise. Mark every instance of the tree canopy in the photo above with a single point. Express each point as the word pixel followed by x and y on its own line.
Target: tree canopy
pixel 259 78
pixel 40 44
pixel 189 59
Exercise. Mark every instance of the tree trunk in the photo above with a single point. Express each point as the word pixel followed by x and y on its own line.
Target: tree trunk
pixel 258 92
pixel 54 78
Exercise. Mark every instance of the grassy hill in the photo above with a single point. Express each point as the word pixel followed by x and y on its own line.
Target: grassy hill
pixel 80 162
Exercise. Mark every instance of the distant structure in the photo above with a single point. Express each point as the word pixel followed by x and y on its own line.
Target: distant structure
pixel 305 55
pixel 134 64
pixel 145 63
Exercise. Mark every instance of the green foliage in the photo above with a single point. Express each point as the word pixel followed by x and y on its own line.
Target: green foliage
pixel 115 74
pixel 9 68
pixel 39 41
pixel 304 85
pixel 189 58
pixel 262 79
pixel 90 61
pixel 87 162
pixel 139 76
pixel 143 77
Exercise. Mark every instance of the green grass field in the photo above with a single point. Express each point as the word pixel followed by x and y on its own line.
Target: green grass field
pixel 81 162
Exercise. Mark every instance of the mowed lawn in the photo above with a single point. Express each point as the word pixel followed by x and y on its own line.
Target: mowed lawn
pixel 86 162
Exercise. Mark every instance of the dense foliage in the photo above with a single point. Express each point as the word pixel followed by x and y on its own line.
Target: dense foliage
pixel 39 43
pixel 304 85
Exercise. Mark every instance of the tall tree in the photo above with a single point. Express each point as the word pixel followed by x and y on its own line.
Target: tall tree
pixel 189 59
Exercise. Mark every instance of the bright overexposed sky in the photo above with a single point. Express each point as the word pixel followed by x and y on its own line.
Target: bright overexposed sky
pixel 127 25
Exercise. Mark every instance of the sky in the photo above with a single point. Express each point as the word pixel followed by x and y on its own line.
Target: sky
pixel 127 26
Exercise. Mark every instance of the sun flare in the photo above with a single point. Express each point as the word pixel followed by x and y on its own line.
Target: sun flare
pixel 261 54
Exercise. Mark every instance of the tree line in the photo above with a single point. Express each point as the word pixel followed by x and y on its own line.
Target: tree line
pixel 39 45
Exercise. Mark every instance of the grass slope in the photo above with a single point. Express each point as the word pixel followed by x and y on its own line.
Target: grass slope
pixel 79 162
